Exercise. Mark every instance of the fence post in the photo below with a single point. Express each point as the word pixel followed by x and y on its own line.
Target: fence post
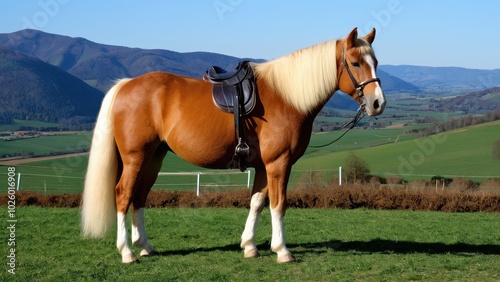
pixel 18 181
pixel 198 184
pixel 248 179
pixel 340 176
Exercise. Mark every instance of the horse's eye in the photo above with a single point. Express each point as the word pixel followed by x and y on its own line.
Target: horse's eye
pixel 355 64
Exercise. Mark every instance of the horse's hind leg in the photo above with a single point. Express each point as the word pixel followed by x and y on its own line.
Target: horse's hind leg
pixel 124 191
pixel 139 237
pixel 134 166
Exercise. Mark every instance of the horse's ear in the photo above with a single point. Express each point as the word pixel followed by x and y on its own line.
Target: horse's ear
pixel 370 36
pixel 351 38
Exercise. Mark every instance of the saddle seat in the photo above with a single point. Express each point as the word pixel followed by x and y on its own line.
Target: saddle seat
pixel 227 84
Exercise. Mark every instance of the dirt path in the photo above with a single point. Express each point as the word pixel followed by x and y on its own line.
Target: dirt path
pixel 13 162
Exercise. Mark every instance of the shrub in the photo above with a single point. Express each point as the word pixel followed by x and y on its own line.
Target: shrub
pixel 394 180
pixel 463 185
pixel 491 186
pixel 356 168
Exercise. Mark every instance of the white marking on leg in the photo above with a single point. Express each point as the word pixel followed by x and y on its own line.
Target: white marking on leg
pixel 139 237
pixel 122 239
pixel 247 238
pixel 278 244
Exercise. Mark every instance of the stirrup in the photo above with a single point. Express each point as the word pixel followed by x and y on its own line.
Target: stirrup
pixel 242 149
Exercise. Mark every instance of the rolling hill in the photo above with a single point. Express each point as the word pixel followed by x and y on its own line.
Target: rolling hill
pixel 462 153
pixel 474 102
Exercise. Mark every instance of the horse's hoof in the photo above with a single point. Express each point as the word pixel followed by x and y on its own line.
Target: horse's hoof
pixel 145 253
pixel 286 258
pixel 252 253
pixel 129 258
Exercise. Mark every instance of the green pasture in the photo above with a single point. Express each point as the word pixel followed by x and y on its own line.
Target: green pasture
pixel 203 245
pixel 463 153
pixel 48 144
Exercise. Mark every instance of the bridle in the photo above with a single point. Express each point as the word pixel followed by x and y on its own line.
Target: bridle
pixel 359 88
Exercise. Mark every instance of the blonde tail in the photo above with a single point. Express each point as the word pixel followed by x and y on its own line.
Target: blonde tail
pixel 98 201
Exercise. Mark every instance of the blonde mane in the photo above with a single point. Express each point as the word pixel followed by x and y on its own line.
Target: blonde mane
pixel 304 78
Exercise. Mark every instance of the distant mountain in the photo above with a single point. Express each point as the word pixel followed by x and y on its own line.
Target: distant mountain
pixel 451 79
pixel 99 65
pixel 394 85
pixel 34 90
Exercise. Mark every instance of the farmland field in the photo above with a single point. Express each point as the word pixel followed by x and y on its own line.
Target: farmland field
pixel 48 144
pixel 203 244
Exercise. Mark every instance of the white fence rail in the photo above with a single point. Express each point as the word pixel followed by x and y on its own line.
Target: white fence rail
pixel 198 175
pixel 209 180
pixel 59 182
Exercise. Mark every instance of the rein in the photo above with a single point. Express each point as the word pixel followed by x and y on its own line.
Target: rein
pixel 361 111
pixel 355 120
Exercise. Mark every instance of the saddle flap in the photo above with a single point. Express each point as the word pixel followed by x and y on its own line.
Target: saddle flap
pixel 223 96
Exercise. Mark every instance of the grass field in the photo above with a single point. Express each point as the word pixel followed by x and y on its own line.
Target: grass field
pixel 48 144
pixel 464 153
pixel 203 245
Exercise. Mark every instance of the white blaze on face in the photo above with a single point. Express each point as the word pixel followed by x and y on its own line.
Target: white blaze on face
pixel 379 93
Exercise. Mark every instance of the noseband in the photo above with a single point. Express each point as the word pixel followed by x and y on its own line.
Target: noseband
pixel 359 86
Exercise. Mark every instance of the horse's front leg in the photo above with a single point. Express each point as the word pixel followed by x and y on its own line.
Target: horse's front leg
pixel 259 195
pixel 277 177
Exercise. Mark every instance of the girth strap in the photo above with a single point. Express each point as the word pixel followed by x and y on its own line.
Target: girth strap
pixel 242 149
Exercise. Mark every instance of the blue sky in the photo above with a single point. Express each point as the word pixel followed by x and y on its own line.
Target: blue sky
pixel 415 32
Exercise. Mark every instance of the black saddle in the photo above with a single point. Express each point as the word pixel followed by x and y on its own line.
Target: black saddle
pixel 235 92
pixel 227 84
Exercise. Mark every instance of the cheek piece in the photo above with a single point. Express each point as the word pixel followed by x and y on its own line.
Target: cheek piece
pixel 359 86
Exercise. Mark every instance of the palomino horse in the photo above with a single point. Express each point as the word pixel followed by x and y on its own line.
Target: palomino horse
pixel 142 119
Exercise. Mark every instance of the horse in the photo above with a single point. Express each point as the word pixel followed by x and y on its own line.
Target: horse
pixel 144 118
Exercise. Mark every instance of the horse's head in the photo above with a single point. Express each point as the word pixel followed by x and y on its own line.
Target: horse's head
pixel 357 76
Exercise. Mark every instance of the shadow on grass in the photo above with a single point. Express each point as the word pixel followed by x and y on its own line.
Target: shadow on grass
pixel 399 247
pixel 374 246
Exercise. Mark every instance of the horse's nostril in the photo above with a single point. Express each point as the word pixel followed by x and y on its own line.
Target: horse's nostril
pixel 376 105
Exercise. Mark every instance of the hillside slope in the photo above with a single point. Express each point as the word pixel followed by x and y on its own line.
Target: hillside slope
pixel 466 152
pixel 474 102
pixel 34 90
